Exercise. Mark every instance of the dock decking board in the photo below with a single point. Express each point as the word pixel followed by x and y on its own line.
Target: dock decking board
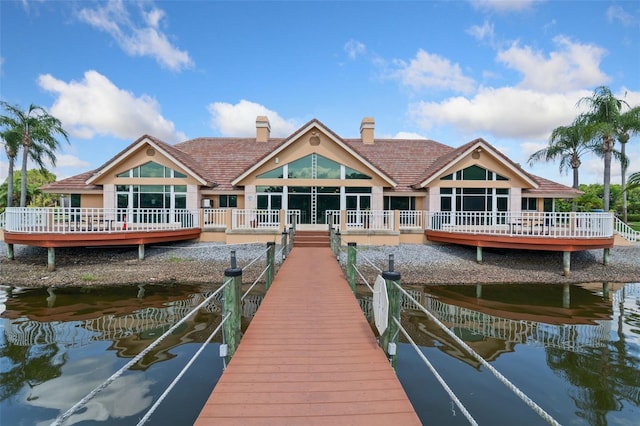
pixel 309 357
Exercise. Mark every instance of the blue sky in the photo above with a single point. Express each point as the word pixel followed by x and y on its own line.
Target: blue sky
pixel 506 71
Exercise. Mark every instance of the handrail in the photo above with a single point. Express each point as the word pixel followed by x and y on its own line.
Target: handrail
pixel 530 224
pixel 2 220
pixel 94 220
pixel 65 416
pixel 541 412
pixel 626 231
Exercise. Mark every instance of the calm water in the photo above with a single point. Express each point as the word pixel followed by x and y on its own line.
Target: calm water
pixel 575 351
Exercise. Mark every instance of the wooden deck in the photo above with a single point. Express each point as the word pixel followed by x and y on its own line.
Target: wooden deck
pixel 309 357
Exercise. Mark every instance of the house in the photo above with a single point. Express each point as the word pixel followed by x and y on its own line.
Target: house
pixel 312 172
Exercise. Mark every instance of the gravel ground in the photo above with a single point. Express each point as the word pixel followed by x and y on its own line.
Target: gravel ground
pixel 205 263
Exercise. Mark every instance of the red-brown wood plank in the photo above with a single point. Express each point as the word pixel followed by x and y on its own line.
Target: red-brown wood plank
pixel 309 357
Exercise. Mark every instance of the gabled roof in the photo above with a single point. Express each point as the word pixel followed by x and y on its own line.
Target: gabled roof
pixel 452 157
pixel 406 164
pixel 167 150
pixel 328 132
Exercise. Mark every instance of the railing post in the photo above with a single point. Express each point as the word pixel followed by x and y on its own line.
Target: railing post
pixel 389 339
pixel 269 274
pixel 351 266
pixel 284 244
pixel 231 305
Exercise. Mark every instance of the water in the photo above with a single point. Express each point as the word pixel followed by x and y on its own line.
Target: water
pixel 575 351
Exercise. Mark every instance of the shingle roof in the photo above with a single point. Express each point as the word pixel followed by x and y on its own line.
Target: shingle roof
pixel 218 161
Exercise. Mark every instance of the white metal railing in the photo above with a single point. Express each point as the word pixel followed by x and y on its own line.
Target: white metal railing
pixel 374 220
pixel 255 219
pixel 292 217
pixel 216 218
pixel 2 220
pixel 90 220
pixel 411 219
pixel 333 218
pixel 621 228
pixel 531 224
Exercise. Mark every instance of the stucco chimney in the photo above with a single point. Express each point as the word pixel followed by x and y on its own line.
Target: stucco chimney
pixel 263 128
pixel 366 130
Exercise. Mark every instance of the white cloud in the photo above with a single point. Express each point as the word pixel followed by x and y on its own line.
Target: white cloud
pixel 616 13
pixel 95 106
pixel 506 112
pixel 431 71
pixel 572 66
pixel 503 5
pixel 485 32
pixel 354 48
pixel 239 120
pixel 137 40
pixel 408 135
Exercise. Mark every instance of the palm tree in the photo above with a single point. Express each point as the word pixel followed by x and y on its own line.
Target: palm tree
pixel 37 130
pixel 603 114
pixel 634 181
pixel 629 126
pixel 567 144
pixel 11 141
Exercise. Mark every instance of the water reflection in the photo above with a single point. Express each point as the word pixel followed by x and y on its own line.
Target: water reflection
pixel 573 349
pixel 56 345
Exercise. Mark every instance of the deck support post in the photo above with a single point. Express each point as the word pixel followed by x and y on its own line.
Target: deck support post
pixel 51 259
pixel 351 266
pixel 140 251
pixel 566 296
pixel 566 263
pixel 479 254
pixel 606 256
pixel 10 254
pixel 269 274
pixel 389 339
pixel 231 306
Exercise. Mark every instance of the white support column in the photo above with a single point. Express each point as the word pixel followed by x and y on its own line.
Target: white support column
pixel 377 198
pixel 433 200
pixel 515 199
pixel 250 199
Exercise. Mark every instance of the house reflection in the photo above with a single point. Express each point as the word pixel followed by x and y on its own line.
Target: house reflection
pixel 131 323
pixel 493 319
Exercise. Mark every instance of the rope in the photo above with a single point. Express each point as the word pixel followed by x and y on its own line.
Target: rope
pixel 535 407
pixel 437 376
pixel 256 259
pixel 255 282
pixel 363 278
pixel 368 261
pixel 182 372
pixel 133 361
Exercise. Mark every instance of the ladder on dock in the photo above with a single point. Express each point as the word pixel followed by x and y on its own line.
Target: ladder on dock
pixel 309 356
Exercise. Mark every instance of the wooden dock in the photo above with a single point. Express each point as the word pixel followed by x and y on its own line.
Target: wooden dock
pixel 309 357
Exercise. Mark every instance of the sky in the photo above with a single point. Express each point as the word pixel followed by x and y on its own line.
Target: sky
pixel 451 71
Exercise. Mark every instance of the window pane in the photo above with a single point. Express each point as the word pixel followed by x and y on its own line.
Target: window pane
pixel 177 174
pixel 180 188
pixel 327 169
pixel 447 177
pixel 475 173
pixel 124 174
pixel 358 190
pixel 445 204
pixel 152 169
pixel 446 190
pixel 263 201
pixel 233 201
pixel 181 201
pixel 350 173
pixel 300 169
pixel 272 174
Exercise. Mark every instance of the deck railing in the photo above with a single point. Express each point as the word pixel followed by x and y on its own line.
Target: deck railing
pixel 532 224
pixel 2 220
pixel 90 220
pixel 626 231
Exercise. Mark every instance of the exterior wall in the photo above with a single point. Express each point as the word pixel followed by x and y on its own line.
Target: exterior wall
pixel 91 201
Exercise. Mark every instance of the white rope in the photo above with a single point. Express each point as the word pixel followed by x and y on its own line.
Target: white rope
pixel 133 361
pixel 368 261
pixel 363 278
pixel 546 416
pixel 255 282
pixel 446 387
pixel 182 372
pixel 255 260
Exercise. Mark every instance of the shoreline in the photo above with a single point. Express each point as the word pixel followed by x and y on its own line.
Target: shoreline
pixel 204 263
